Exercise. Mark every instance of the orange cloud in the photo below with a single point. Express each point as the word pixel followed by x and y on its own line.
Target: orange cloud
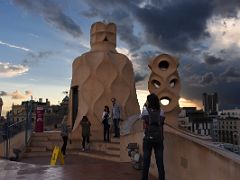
pixel 183 102
pixel 18 95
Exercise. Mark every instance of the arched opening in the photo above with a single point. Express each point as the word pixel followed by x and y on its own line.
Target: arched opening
pixel 173 83
pixel 165 101
pixel 156 84
pixel 163 65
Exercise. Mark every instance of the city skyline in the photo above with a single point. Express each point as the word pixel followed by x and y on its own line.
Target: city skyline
pixel 40 39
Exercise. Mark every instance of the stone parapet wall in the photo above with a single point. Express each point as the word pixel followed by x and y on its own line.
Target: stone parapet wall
pixel 189 158
pixel 17 141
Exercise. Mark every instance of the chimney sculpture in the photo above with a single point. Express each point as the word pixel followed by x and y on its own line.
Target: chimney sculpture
pixel 99 75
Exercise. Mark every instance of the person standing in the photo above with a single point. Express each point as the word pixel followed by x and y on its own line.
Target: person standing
pixel 106 126
pixel 116 117
pixel 85 123
pixel 64 134
pixel 153 120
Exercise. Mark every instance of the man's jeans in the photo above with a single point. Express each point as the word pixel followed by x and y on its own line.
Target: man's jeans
pixel 147 151
pixel 116 127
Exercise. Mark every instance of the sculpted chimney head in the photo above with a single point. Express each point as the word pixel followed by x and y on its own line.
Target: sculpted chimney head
pixel 103 36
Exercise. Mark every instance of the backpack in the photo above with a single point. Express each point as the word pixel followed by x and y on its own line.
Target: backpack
pixel 154 132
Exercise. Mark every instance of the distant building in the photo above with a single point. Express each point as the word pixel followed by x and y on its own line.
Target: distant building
pixel 226 130
pixel 183 121
pixel 18 113
pixel 53 113
pixel 235 113
pixel 215 130
pixel 210 103
pixel 189 109
pixel 195 121
pixel 201 124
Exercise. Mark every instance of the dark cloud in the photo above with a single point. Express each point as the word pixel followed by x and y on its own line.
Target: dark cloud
pixel 207 79
pixel 228 94
pixel 140 63
pixel 176 25
pixel 35 57
pixel 126 30
pixel 89 14
pixel 224 81
pixel 53 14
pixel 3 93
pixel 226 8
pixel 231 74
pixel 139 77
pixel 141 60
pixel 212 60
pixel 168 25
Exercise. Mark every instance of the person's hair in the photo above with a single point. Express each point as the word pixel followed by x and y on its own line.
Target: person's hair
pixel 107 108
pixel 153 101
pixel 113 99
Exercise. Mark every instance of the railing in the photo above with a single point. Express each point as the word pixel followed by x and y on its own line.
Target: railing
pixel 8 131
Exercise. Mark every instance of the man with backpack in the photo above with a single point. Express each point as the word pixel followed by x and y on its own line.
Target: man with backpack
pixel 153 118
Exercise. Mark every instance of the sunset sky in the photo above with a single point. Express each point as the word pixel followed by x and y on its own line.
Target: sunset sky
pixel 40 39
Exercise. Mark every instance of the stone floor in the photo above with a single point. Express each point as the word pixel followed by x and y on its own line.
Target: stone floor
pixel 76 167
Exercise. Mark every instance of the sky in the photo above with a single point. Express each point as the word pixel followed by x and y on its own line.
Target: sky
pixel 40 39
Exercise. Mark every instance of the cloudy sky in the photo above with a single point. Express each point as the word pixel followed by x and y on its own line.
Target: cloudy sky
pixel 40 39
